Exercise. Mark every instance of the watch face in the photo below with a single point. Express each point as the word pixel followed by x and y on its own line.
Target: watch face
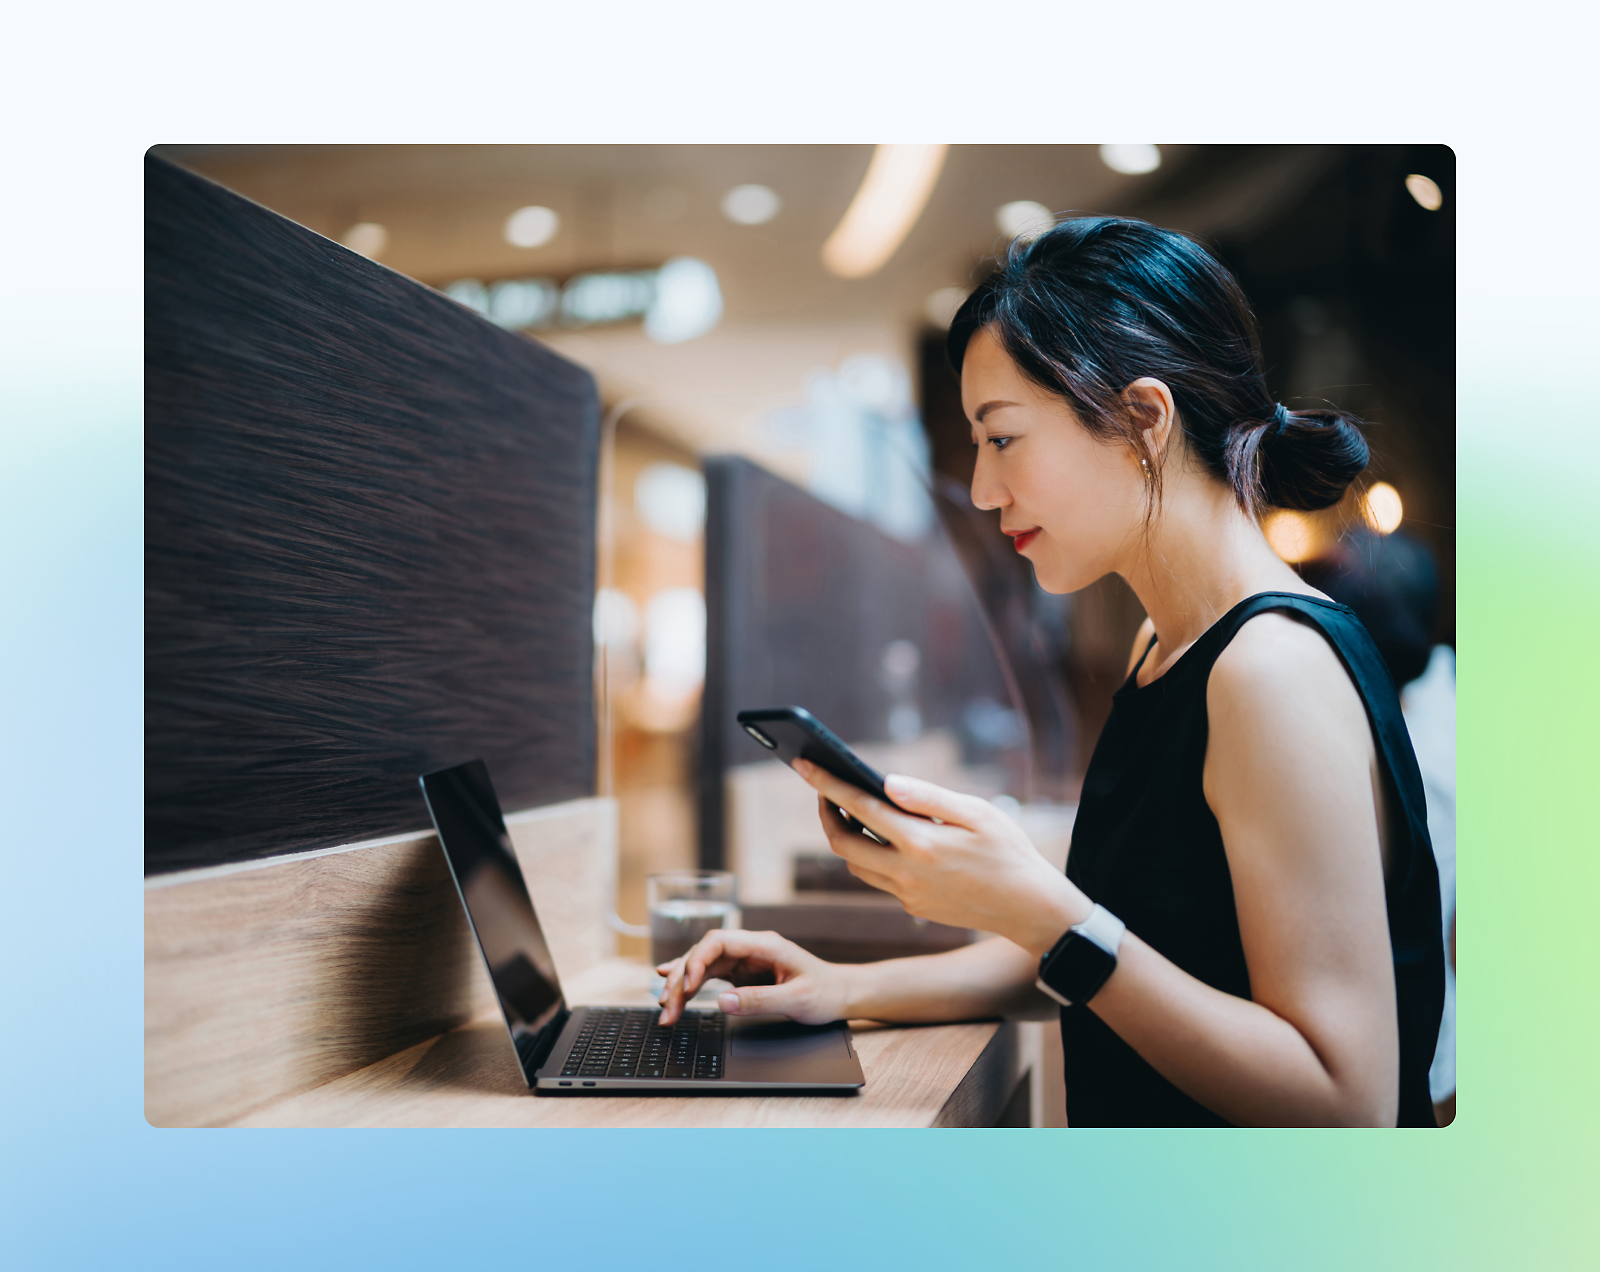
pixel 1076 969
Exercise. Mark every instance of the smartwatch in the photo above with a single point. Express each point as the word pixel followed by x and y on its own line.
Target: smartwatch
pixel 1082 960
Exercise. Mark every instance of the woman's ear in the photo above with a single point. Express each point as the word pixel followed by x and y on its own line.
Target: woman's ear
pixel 1150 402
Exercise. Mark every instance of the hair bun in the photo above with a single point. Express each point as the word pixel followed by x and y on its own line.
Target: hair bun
pixel 1309 458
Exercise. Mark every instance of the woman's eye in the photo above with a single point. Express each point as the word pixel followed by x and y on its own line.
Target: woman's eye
pixel 999 443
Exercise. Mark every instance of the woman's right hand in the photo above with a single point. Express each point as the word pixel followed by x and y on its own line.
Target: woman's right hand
pixel 772 976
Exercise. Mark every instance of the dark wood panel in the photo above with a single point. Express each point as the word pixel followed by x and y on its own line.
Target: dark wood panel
pixel 369 541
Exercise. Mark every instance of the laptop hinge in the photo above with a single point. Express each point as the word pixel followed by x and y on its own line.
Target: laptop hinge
pixel 533 1049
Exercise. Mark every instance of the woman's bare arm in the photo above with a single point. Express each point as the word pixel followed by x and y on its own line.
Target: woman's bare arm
pixel 1291 777
pixel 979 981
pixel 990 978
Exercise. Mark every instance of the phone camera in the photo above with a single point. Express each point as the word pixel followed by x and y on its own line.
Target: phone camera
pixel 761 737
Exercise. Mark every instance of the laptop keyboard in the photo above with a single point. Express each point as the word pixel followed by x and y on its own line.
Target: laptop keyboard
pixel 622 1042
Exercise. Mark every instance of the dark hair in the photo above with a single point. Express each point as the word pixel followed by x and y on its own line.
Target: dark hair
pixel 1095 303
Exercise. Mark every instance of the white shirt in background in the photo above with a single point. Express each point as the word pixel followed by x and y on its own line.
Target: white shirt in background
pixel 1429 704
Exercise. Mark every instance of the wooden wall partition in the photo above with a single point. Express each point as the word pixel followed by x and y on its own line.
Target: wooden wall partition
pixel 274 979
pixel 370 541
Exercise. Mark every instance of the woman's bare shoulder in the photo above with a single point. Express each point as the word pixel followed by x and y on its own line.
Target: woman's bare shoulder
pixel 1280 670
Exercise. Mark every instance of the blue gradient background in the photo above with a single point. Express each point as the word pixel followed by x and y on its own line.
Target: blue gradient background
pixel 87 1183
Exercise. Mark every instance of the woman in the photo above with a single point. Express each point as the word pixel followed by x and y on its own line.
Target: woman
pixel 1252 813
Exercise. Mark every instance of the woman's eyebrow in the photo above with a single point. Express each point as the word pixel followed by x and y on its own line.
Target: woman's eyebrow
pixel 990 406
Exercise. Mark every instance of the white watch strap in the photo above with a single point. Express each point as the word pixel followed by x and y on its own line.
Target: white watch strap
pixel 1105 930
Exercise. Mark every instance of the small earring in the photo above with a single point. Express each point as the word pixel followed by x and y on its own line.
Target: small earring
pixel 1145 464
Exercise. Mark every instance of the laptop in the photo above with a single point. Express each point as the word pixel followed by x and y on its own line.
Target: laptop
pixel 593 1050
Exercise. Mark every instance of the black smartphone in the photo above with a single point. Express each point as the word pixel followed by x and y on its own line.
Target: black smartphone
pixel 793 733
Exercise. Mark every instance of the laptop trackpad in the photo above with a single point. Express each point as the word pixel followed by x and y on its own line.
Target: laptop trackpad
pixel 761 1047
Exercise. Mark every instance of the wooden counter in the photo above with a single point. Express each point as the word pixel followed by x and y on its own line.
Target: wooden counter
pixel 917 1076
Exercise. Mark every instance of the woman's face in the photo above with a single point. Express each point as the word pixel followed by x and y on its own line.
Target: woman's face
pixel 1073 505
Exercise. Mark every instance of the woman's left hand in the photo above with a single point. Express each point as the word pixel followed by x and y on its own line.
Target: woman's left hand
pixel 977 869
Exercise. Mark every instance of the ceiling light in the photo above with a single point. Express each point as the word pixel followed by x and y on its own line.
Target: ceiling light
pixel 1131 161
pixel 531 227
pixel 1023 219
pixel 1425 191
pixel 751 204
pixel 940 307
pixel 1383 509
pixel 519 303
pixel 607 297
pixel 367 237
pixel 891 198
pixel 688 301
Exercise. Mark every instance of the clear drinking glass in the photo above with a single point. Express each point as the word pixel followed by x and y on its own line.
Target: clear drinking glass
pixel 685 905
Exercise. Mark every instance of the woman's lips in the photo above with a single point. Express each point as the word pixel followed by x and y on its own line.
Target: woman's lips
pixel 1022 538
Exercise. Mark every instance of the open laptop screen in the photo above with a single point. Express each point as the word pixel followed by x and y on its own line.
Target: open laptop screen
pixel 472 832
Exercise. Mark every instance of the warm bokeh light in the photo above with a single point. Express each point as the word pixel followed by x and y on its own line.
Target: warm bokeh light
pixel 1131 161
pixel 1383 509
pixel 1425 191
pixel 1293 535
pixel 751 204
pixel 531 227
pixel 891 198
pixel 1023 219
pixel 367 237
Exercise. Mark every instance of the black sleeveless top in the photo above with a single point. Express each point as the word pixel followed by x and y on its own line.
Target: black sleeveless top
pixel 1147 847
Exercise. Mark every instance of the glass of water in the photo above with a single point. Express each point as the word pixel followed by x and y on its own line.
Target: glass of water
pixel 685 905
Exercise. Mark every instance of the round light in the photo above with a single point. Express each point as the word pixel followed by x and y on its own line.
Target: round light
pixel 1023 219
pixel 1131 161
pixel 940 307
pixel 688 301
pixel 751 204
pixel 1292 536
pixel 367 237
pixel 1425 190
pixel 1383 508
pixel 531 227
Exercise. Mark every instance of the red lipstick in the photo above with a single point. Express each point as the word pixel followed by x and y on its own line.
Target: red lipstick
pixel 1022 538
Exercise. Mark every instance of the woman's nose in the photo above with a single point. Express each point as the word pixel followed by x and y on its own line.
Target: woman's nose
pixel 987 493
